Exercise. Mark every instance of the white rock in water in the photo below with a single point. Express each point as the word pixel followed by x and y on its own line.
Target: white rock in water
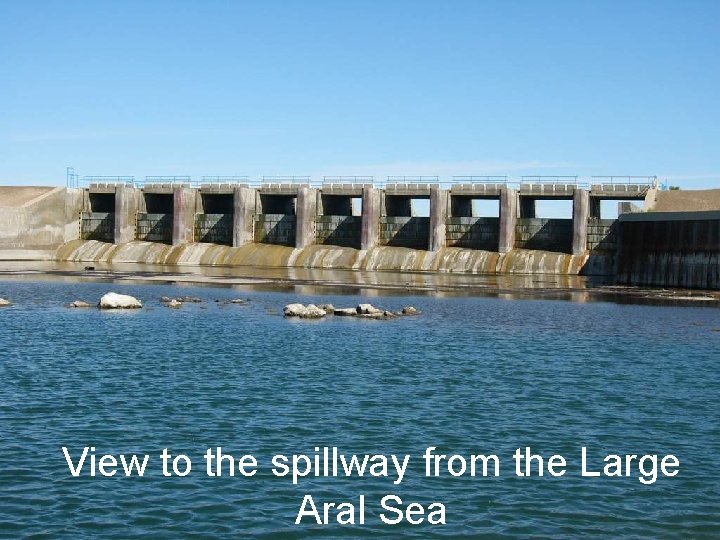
pixel 368 309
pixel 4 302
pixel 311 311
pixel 119 301
pixel 79 304
pixel 293 310
pixel 345 312
pixel 174 304
pixel 314 312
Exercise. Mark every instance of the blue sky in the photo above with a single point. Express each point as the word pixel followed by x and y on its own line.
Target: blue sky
pixel 368 87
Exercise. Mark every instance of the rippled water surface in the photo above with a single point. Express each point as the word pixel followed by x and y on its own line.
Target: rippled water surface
pixel 470 375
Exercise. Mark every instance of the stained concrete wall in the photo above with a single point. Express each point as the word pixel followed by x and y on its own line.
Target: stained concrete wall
pixel 35 221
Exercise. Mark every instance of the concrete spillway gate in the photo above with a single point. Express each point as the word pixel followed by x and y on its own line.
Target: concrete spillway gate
pixel 339 221
pixel 465 228
pixel 275 221
pixel 548 234
pixel 98 221
pixel 399 224
pixel 214 221
pixel 155 218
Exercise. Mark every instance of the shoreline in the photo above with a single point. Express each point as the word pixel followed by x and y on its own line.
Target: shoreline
pixel 316 281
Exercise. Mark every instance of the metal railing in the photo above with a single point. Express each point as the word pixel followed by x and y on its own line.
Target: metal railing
pixel 74 180
pixel 348 180
pixel 224 180
pixel 480 179
pixel 644 180
pixel 174 180
pixel 305 180
pixel 71 179
pixel 412 179
pixel 87 180
pixel 549 180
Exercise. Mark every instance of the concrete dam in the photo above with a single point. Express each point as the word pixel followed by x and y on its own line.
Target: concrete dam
pixel 363 226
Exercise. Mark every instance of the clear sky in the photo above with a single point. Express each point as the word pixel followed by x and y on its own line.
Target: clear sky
pixel 360 87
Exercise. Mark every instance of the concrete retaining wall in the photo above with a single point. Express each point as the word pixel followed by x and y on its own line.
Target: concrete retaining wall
pixel 36 221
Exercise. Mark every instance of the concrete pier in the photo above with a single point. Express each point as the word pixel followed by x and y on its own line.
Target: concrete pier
pixel 370 217
pixel 581 212
pixel 438 218
pixel 276 215
pixel 508 219
pixel 243 215
pixel 305 214
pixel 126 207
pixel 183 215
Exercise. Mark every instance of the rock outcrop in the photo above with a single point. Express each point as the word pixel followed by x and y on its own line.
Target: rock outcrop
pixel 365 311
pixel 368 309
pixel 311 311
pixel 4 303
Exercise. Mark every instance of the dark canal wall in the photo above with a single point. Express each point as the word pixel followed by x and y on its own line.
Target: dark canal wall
pixel 669 249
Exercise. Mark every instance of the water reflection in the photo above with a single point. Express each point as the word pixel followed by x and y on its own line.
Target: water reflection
pixel 572 288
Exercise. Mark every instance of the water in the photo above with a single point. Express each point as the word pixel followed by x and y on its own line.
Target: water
pixel 470 375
